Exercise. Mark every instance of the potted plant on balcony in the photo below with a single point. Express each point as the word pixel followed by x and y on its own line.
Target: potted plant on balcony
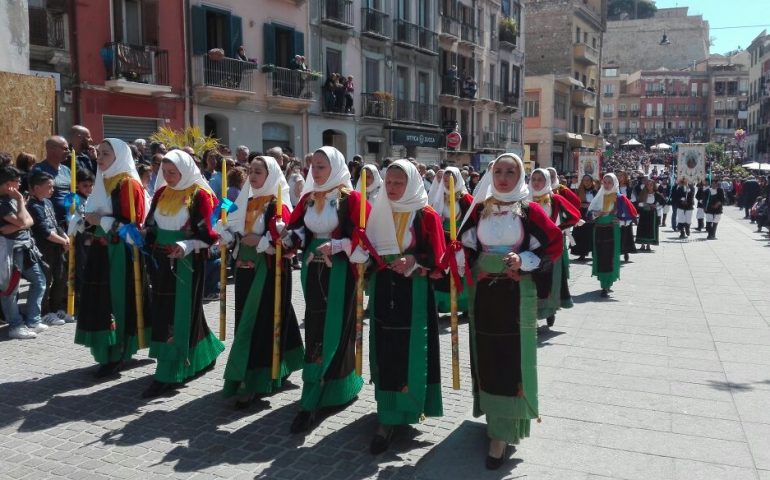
pixel 382 102
pixel 268 68
pixel 508 29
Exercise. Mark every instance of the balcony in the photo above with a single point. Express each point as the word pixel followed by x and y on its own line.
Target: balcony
pixel 377 105
pixel 607 114
pixel 467 34
pixel 489 139
pixel 726 111
pixel 416 112
pixel 46 28
pixel 724 131
pixel 634 113
pixel 585 54
pixel 375 24
pixel 493 42
pixel 455 87
pixel 414 36
pixel 138 70
pixel 450 28
pixel 337 13
pixel 227 81
pixel 582 97
pixel 290 90
pixel 491 92
pixel 622 113
pixel 511 100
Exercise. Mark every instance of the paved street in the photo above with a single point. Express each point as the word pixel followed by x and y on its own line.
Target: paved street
pixel 668 379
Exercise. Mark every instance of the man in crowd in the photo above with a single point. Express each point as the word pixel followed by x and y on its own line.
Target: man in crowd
pixel 242 155
pixel 80 140
pixel 54 164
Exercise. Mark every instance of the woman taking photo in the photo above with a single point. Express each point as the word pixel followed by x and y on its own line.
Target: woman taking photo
pixel 254 228
pixel 507 238
pixel 323 226
pixel 180 234
pixel 608 209
pixel 404 339
pixel 106 321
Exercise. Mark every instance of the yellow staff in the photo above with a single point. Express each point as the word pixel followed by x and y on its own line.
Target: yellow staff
pixel 137 271
pixel 277 300
pixel 223 262
pixel 71 259
pixel 360 283
pixel 453 291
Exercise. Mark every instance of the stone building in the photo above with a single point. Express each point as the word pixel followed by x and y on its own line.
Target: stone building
pixel 561 104
pixel 758 140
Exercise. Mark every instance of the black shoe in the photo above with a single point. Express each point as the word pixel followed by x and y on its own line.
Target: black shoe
pixel 625 257
pixel 156 389
pixel 244 403
pixel 493 463
pixel 380 443
pixel 302 422
pixel 581 258
pixel 550 320
pixel 108 369
pixel 605 293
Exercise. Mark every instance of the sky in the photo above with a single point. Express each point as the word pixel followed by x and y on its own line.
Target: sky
pixel 728 13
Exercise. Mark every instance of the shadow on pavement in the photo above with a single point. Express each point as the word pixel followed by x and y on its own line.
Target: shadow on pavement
pixel 544 334
pixel 591 296
pixel 729 386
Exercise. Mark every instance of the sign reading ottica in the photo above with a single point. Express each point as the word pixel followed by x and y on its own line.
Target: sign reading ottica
pixel 414 138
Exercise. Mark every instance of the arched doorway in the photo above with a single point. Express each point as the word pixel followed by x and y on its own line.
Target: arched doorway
pixel 275 135
pixel 217 126
pixel 336 139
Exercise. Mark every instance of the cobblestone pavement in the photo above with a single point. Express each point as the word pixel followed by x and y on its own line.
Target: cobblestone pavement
pixel 668 379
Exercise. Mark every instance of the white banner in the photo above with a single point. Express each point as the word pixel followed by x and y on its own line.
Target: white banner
pixel 691 162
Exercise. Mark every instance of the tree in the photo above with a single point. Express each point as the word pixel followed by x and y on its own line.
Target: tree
pixel 630 9
pixel 716 153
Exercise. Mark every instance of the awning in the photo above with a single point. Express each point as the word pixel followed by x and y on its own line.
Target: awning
pixel 571 138
pixel 632 143
pixel 570 81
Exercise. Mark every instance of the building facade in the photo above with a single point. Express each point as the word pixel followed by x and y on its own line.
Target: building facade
pixel 130 72
pixel 758 140
pixel 561 104
pixel 728 110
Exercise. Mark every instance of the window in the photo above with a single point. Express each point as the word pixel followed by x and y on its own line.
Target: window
pixel 372 80
pixel 515 131
pixel 402 83
pixel 577 35
pixel 333 61
pixel 505 80
pixel 560 106
pixel 216 28
pixel 622 107
pixel 610 72
pixel 515 76
pixel 609 89
pixel 135 22
pixel 649 109
pixel 660 109
pixel 532 108
pixel 423 88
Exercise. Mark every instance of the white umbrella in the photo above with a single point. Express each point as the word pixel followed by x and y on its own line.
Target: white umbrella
pixel 654 147
pixel 632 143
pixel 663 146
pixel 765 167
pixel 751 166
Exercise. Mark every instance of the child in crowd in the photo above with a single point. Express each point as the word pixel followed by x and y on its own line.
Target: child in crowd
pixel 53 243
pixel 18 258
pixel 85 186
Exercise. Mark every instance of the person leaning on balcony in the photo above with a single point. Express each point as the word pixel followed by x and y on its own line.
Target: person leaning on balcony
pixel 241 55
pixel 349 88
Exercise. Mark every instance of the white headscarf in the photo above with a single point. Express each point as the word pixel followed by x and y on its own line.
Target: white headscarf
pixel 380 227
pixel 554 185
pixel 597 204
pixel 434 186
pixel 437 200
pixel 546 188
pixel 191 174
pixel 486 187
pixel 274 181
pixel 99 201
pixel 340 175
pixel 374 189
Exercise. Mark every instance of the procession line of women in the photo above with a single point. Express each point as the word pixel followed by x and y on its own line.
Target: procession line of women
pixel 512 244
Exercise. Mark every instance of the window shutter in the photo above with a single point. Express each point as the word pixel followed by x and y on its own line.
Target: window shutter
pixel 299 43
pixel 269 44
pixel 236 35
pixel 198 30
pixel 150 15
pixel 117 20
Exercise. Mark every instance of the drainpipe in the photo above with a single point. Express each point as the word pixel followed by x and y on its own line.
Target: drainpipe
pixel 186 43
pixel 74 64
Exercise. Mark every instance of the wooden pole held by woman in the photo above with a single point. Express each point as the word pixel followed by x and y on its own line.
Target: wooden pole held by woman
pixel 276 371
pixel 71 253
pixel 360 284
pixel 137 274
pixel 223 262
pixel 453 291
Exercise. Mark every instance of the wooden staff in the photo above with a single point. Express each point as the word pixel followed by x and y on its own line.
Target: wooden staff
pixel 137 272
pixel 360 284
pixel 277 300
pixel 223 262
pixel 71 254
pixel 453 291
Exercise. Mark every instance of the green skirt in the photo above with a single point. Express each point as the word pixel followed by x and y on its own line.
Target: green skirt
pixel 503 350
pixel 606 252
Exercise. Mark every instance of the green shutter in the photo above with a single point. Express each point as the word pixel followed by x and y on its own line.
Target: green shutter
pixel 299 43
pixel 269 44
pixel 236 35
pixel 198 30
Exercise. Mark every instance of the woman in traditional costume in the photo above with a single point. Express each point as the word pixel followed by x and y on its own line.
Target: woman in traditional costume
pixel 713 199
pixel 584 234
pixel 683 198
pixel 254 226
pixel 563 190
pixel 627 245
pixel 507 238
pixel 700 214
pixel 325 226
pixel 404 338
pixel 463 200
pixel 564 215
pixel 649 203
pixel 106 321
pixel 373 182
pixel 180 233
pixel 608 208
